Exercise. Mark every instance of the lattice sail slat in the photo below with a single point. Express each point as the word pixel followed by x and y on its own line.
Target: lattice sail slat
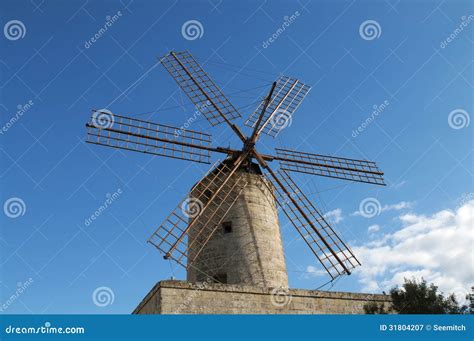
pixel 287 96
pixel 330 166
pixel 186 231
pixel 336 258
pixel 199 87
pixel 147 137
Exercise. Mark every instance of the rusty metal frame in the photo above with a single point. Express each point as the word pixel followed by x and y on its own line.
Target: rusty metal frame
pixel 329 166
pixel 288 95
pixel 172 236
pixel 151 138
pixel 325 244
pixel 201 89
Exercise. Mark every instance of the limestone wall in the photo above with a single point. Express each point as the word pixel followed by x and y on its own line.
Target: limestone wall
pixel 176 297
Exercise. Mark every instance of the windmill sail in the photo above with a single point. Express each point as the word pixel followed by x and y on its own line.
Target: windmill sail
pixel 330 166
pixel 199 87
pixel 203 211
pixel 150 138
pixel 323 241
pixel 287 96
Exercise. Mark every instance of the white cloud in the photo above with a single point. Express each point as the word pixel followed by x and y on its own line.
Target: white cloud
pixel 312 271
pixel 334 216
pixel 373 228
pixel 437 248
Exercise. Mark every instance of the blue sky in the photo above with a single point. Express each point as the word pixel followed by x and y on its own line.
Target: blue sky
pixel 50 70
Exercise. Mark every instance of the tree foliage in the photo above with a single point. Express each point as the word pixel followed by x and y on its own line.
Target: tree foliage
pixel 418 298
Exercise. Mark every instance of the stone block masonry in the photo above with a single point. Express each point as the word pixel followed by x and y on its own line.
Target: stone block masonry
pixel 178 297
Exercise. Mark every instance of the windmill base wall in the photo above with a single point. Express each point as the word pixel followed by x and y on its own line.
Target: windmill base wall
pixel 178 297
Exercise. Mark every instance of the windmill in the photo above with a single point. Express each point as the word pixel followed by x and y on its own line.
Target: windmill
pixel 193 235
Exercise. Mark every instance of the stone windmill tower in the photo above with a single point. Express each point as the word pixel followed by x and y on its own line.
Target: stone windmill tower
pixel 246 247
pixel 226 232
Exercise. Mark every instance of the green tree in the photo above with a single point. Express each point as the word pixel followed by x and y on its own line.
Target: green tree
pixel 470 297
pixel 418 298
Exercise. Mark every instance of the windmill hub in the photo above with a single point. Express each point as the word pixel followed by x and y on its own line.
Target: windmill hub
pixel 249 147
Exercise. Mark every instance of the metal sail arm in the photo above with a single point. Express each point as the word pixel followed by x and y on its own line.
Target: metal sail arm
pixel 326 245
pixel 201 89
pixel 329 166
pixel 204 210
pixel 256 131
pixel 127 133
pixel 287 96
pixel 278 104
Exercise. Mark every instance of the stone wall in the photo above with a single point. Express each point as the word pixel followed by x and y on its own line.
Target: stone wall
pixel 177 297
